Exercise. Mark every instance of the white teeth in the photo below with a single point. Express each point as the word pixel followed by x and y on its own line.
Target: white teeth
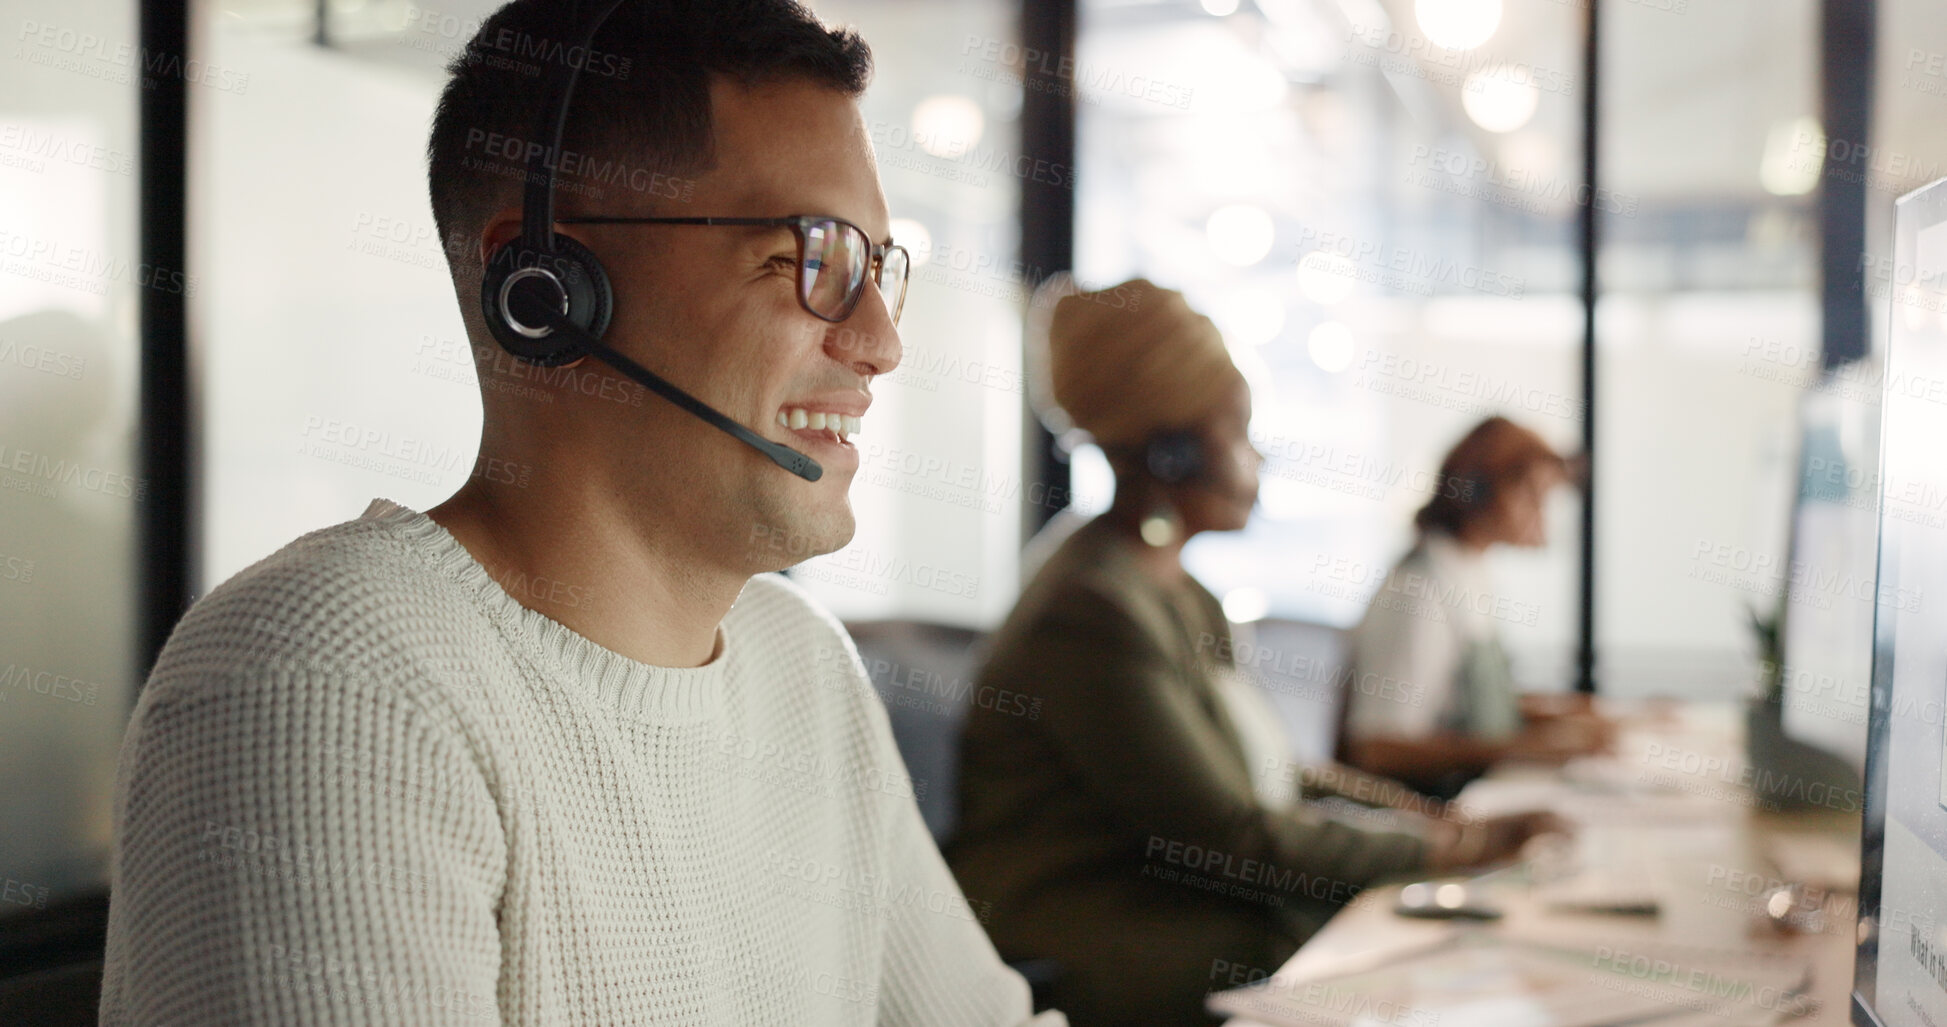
pixel 797 418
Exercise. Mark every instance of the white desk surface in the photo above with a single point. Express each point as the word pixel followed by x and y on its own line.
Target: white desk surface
pixel 1701 831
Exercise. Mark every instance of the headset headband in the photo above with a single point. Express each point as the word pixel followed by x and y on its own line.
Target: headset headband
pixel 537 210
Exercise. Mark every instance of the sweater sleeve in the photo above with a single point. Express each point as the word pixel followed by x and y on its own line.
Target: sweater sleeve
pixel 300 845
pixel 940 968
pixel 1144 743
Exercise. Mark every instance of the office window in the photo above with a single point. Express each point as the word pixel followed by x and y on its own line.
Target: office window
pixel 1379 214
pixel 71 283
pixel 939 487
pixel 1709 332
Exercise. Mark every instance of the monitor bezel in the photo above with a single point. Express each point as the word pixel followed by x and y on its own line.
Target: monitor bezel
pixel 1872 840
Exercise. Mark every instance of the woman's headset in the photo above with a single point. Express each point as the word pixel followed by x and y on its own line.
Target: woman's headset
pixel 1175 456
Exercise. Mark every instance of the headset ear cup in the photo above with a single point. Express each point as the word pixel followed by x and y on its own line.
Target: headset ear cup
pixel 1175 457
pixel 574 271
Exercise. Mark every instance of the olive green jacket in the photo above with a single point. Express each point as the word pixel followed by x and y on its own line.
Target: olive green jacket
pixel 1123 802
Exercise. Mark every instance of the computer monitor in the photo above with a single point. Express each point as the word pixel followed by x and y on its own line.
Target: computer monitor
pixel 1826 634
pixel 1900 977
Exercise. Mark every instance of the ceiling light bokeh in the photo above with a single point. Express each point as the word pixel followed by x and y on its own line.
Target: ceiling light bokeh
pixel 1331 346
pixel 947 124
pixel 1240 234
pixel 1250 317
pixel 1500 98
pixel 1326 278
pixel 1458 24
pixel 1794 157
pixel 914 236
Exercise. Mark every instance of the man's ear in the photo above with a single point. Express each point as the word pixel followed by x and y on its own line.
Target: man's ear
pixel 505 226
pixel 499 230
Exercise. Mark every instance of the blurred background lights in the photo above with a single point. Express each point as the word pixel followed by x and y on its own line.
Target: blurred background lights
pixel 1246 604
pixel 1794 156
pixel 1331 346
pixel 914 236
pixel 947 125
pixel 1240 234
pixel 1500 98
pixel 1913 303
pixel 1326 278
pixel 1249 317
pixel 1458 24
pixel 1219 8
pixel 1232 79
pixel 1282 499
pixel 1533 154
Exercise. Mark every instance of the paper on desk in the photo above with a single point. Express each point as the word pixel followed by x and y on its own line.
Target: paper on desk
pixel 1492 979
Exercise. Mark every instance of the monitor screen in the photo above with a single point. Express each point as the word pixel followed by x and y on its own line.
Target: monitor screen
pixel 1826 631
pixel 1900 979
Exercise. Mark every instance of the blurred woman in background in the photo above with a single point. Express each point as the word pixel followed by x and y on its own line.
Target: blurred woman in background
pixel 1431 700
pixel 1114 828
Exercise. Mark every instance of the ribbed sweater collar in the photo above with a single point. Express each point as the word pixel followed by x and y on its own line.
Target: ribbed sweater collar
pixel 629 687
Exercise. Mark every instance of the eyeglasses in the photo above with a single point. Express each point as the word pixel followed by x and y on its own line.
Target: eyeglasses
pixel 833 258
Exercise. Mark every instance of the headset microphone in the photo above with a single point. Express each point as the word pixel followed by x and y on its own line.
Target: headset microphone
pixel 533 310
pixel 547 299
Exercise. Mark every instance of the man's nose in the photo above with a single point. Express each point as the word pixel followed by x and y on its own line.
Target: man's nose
pixel 867 342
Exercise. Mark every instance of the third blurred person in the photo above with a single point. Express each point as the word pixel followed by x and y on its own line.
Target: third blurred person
pixel 1449 709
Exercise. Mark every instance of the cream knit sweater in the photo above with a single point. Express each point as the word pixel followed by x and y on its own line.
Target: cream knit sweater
pixel 364 784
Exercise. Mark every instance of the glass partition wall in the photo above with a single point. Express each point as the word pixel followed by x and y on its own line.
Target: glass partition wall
pixel 1378 210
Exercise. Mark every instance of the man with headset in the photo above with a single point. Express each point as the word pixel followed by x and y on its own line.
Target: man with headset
pixel 558 750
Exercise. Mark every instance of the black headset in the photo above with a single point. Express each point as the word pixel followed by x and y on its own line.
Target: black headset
pixel 547 299
pixel 1175 456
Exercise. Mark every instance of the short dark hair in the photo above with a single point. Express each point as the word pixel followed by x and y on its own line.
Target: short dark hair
pixel 641 110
